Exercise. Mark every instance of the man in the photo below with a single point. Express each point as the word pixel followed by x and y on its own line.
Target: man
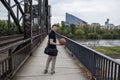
pixel 52 44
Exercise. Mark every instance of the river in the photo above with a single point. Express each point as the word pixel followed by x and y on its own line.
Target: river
pixel 109 43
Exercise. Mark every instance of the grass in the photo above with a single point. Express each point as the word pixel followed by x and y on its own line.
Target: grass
pixel 108 50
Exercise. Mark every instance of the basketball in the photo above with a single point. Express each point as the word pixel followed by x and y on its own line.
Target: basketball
pixel 62 41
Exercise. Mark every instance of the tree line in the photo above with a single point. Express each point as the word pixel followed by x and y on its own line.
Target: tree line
pixel 87 32
pixel 5 30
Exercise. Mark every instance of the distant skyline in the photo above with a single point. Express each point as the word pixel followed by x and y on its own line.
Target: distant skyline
pixel 91 11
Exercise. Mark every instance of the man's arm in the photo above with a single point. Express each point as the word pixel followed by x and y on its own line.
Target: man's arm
pixel 53 43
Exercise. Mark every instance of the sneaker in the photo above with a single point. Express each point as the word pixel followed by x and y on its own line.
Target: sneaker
pixel 53 72
pixel 45 71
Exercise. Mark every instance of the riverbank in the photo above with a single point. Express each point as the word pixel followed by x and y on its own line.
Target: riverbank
pixel 108 50
pixel 107 47
pixel 113 52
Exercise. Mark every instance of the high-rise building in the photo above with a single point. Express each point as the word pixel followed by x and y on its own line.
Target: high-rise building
pixel 70 19
pixel 109 25
pixel 107 22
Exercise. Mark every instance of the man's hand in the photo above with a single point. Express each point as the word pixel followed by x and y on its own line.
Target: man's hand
pixel 53 43
pixel 59 44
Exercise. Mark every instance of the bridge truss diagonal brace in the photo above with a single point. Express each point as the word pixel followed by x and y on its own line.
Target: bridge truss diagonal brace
pixel 7 5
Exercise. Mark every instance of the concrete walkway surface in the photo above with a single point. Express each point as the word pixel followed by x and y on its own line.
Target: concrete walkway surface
pixel 66 68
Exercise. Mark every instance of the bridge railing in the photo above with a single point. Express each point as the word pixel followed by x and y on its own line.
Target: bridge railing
pixel 98 65
pixel 16 58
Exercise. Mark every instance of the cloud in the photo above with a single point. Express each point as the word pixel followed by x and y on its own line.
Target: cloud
pixel 3 12
pixel 88 10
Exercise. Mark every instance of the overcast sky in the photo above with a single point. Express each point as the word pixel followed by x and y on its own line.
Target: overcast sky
pixel 88 10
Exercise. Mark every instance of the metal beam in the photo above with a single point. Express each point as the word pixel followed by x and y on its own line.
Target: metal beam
pixel 9 20
pixel 47 14
pixel 20 8
pixel 6 4
pixel 39 13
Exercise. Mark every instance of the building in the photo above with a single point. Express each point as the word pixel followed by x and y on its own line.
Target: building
pixel 70 19
pixel 95 25
pixel 118 27
pixel 109 25
pixel 107 22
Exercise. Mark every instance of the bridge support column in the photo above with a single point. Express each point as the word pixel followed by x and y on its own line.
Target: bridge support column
pixel 49 18
pixel 39 14
pixel 48 15
pixel 27 19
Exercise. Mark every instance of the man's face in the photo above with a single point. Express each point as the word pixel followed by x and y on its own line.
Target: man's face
pixel 55 28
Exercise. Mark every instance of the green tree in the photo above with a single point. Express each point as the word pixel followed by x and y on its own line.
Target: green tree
pixel 88 32
pixel 72 27
pixel 107 36
pixel 59 30
pixel 58 25
pixel 3 27
pixel 86 29
pixel 79 33
pixel 70 35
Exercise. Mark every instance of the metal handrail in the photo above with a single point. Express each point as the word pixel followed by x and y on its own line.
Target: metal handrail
pixel 96 52
pixel 18 43
pixel 100 66
pixel 15 60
